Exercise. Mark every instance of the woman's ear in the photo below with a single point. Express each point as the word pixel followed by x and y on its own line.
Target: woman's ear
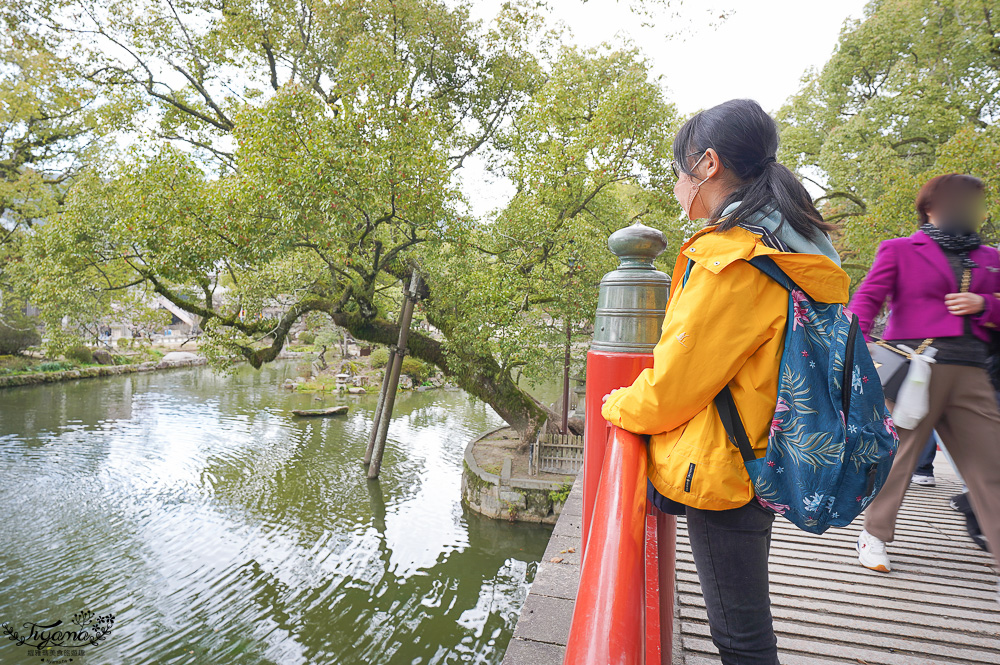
pixel 713 163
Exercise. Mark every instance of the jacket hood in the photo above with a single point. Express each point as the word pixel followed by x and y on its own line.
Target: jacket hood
pixel 815 272
pixel 772 220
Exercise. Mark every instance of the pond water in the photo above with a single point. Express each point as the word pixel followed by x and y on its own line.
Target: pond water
pixel 219 528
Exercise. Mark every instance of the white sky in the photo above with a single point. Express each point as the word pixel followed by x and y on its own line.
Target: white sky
pixel 761 51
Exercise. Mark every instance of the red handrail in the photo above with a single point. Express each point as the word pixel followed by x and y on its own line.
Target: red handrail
pixel 620 606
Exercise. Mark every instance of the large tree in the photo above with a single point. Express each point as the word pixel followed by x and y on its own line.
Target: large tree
pixel 909 93
pixel 48 129
pixel 308 153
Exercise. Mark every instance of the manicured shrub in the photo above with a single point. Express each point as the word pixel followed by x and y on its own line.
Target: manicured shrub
pixel 379 357
pixel 305 337
pixel 418 370
pixel 17 332
pixel 79 354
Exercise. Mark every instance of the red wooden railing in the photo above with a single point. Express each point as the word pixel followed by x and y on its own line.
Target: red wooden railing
pixel 624 606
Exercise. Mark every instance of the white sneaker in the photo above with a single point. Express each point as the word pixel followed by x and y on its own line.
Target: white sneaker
pixel 920 479
pixel 871 553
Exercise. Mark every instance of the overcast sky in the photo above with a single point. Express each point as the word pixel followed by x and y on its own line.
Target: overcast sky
pixel 760 51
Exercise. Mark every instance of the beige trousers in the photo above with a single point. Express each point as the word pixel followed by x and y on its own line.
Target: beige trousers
pixel 963 410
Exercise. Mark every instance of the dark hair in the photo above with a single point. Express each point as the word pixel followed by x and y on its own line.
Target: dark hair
pixel 746 139
pixel 943 188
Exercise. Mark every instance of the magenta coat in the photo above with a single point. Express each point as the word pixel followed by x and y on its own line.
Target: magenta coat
pixel 914 275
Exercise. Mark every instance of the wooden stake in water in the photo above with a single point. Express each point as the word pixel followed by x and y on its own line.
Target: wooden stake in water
pixel 381 424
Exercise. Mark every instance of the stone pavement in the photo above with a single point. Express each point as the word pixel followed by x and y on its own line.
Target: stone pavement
pixel 542 629
pixel 938 606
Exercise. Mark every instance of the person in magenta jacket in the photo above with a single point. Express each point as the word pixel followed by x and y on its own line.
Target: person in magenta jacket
pixel 940 283
pixel 914 273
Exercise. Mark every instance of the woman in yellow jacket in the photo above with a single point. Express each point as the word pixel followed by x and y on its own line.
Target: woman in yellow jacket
pixel 725 325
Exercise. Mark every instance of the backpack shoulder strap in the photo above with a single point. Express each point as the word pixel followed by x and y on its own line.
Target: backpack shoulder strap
pixel 724 401
pixel 730 417
pixel 687 272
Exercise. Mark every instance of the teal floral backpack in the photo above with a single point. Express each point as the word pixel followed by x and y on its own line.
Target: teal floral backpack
pixel 832 442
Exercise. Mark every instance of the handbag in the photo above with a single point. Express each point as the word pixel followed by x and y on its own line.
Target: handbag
pixel 892 364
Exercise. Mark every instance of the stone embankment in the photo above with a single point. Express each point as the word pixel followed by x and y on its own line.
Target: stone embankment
pixel 495 482
pixel 167 362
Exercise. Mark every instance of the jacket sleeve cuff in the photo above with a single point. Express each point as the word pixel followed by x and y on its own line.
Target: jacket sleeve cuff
pixel 989 318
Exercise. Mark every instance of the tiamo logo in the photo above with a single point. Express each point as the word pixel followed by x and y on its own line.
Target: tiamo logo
pixel 57 642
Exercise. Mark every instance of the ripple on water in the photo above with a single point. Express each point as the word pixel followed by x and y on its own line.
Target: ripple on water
pixel 220 529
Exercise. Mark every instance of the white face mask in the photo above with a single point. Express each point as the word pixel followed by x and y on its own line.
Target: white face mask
pixel 694 188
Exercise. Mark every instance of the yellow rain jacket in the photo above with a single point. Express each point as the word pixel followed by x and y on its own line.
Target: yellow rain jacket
pixel 725 326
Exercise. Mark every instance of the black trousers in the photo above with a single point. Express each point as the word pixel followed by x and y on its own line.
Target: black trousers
pixel 730 551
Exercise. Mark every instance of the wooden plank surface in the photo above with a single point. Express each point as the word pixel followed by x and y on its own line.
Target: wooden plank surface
pixel 938 606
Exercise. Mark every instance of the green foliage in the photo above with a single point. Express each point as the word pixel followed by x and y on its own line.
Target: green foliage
pixel 379 357
pixel 17 333
pixel 10 364
pixel 57 366
pixel 319 187
pixel 151 354
pixel 79 354
pixel 320 384
pixel 352 367
pixel 49 117
pixel 588 155
pixel 306 337
pixel 416 369
pixel 910 93
pixel 560 495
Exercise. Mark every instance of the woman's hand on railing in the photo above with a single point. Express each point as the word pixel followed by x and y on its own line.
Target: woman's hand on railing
pixel 606 397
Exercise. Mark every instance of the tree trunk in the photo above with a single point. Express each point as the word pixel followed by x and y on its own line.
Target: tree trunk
pixel 478 374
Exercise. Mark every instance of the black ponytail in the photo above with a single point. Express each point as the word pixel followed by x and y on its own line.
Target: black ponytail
pixel 746 139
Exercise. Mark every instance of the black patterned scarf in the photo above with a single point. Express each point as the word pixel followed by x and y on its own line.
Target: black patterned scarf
pixel 960 245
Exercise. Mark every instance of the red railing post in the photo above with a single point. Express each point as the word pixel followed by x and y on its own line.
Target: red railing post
pixel 653 637
pixel 624 607
pixel 608 618
pixel 606 371
pixel 630 309
pixel 666 538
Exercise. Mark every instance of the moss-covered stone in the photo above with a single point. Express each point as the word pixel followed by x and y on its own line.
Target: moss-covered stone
pixel 473 481
pixel 16 380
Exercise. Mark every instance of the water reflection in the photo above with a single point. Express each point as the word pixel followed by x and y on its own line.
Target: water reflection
pixel 218 528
